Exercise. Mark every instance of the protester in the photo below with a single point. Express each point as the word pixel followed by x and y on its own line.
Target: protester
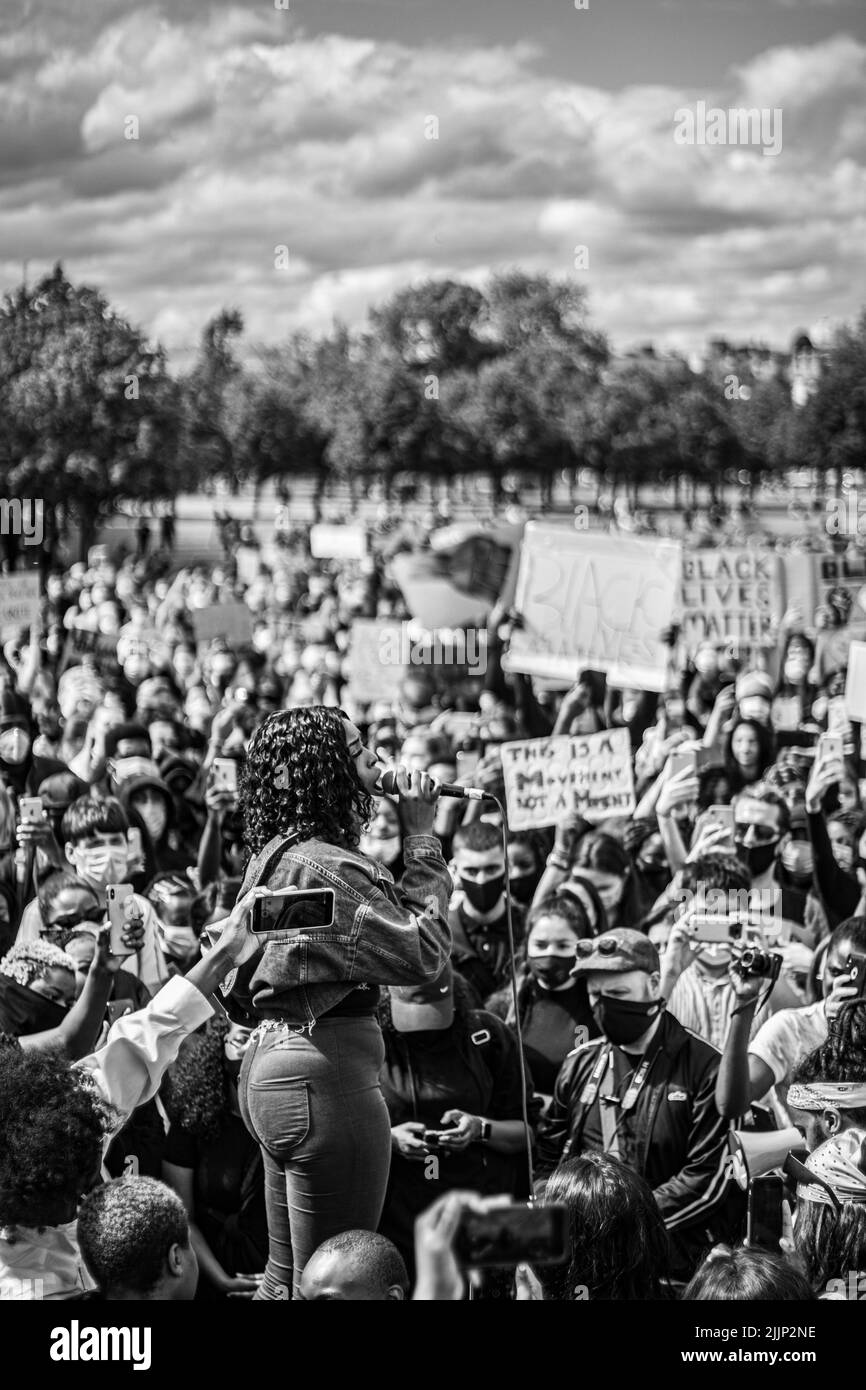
pixel 355 1267
pixel 134 1239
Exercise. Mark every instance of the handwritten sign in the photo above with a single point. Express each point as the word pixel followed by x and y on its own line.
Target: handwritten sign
pixel 19 600
pixel 596 602
pixel 375 663
pixel 549 778
pixel 231 621
pixel 731 596
pixel 330 542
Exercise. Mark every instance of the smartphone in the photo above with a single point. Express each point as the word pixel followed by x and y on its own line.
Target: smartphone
pixel 116 895
pixel 225 774
pixel 764 1221
pixel 692 758
pixel 831 747
pixel 431 1137
pixel 720 816
pixel 508 1236
pixel 710 926
pixel 30 810
pixel 466 765
pixel 293 910
pixel 857 966
pixel 116 1008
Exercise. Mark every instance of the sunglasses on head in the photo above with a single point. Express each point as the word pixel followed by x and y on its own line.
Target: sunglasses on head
pixel 604 945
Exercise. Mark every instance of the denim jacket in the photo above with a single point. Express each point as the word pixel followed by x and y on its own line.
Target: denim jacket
pixel 383 933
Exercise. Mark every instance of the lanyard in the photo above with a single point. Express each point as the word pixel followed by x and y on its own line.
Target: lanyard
pixel 593 1085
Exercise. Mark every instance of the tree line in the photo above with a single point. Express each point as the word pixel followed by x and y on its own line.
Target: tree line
pixel 443 380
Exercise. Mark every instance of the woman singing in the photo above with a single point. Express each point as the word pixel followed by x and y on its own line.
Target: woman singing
pixel 309 1085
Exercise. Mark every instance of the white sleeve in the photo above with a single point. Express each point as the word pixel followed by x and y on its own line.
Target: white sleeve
pixel 140 1047
pixel 773 1044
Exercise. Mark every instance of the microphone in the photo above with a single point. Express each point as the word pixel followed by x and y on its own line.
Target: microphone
pixel 388 783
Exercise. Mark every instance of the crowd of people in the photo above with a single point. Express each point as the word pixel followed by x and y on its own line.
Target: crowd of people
pixel 189 1110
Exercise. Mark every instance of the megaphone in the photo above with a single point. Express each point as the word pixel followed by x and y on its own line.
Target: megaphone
pixel 754 1152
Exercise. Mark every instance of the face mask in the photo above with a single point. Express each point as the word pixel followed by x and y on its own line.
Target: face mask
pixel 797 858
pixel 107 864
pixel 383 851
pixel 623 1021
pixel 484 896
pixel 178 942
pixel 155 818
pixel 233 1068
pixel 757 858
pixel 24 1011
pixel 755 707
pixel 14 745
pixel 796 668
pixel 716 953
pixel 522 886
pixel 551 971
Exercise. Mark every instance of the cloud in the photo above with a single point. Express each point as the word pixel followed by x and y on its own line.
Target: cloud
pixel 255 134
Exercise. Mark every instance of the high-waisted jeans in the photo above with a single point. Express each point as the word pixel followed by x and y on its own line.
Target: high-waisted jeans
pixel 312 1101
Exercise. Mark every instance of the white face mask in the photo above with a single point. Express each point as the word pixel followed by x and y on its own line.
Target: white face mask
pixel 383 851
pixel 155 818
pixel 106 864
pixel 755 707
pixel 179 942
pixel 14 745
pixel 716 953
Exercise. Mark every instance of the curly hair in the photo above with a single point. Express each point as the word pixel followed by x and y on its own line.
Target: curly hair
pixel 126 1229
pixel 195 1091
pixel 300 778
pixel 29 960
pixel 619 1245
pixel 831 1243
pixel 842 1056
pixel 52 1127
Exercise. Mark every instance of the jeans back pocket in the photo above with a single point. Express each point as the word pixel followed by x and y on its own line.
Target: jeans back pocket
pixel 279 1111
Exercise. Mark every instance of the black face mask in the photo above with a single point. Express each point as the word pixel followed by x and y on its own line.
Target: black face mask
pixel 522 887
pixel 757 858
pixel 551 971
pixel 24 1011
pixel 623 1021
pixel 484 896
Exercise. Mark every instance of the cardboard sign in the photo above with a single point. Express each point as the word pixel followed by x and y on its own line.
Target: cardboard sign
pixel 231 621
pixel 374 664
pixel 330 542
pixel 549 778
pixel 595 602
pixel 19 600
pixel 855 684
pixel 732 596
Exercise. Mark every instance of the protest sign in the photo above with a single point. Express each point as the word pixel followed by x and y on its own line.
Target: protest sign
pixel 373 662
pixel 330 542
pixel 549 778
pixel 855 684
pixel 732 597
pixel 596 602
pixel 19 600
pixel 231 621
pixel 840 572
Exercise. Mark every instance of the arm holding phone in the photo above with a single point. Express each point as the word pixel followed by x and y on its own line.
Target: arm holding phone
pixel 839 890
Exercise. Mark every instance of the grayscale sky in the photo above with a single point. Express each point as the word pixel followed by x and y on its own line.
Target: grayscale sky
pixel 305 128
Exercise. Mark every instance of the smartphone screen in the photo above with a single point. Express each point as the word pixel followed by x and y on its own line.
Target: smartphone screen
pixel 832 747
pixel 116 1008
pixel 720 815
pixel 116 895
pixel 296 911
pixel 764 1225
pixel 512 1235
pixel 30 810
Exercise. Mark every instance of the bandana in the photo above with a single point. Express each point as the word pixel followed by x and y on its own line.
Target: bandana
pixel 828 1095
pixel 837 1163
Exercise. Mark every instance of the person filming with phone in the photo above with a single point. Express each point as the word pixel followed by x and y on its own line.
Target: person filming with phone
pixel 309 1086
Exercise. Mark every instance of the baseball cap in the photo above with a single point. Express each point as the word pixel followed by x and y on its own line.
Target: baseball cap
pixel 429 1004
pixel 617 951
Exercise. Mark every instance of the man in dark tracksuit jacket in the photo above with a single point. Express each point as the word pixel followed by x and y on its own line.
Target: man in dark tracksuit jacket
pixel 645 1093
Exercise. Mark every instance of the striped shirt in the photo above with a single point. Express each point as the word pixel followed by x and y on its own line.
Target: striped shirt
pixel 704 1005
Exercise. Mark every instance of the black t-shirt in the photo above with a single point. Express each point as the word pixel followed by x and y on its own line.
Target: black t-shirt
pixel 481 955
pixel 548 1024
pixel 228 1191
